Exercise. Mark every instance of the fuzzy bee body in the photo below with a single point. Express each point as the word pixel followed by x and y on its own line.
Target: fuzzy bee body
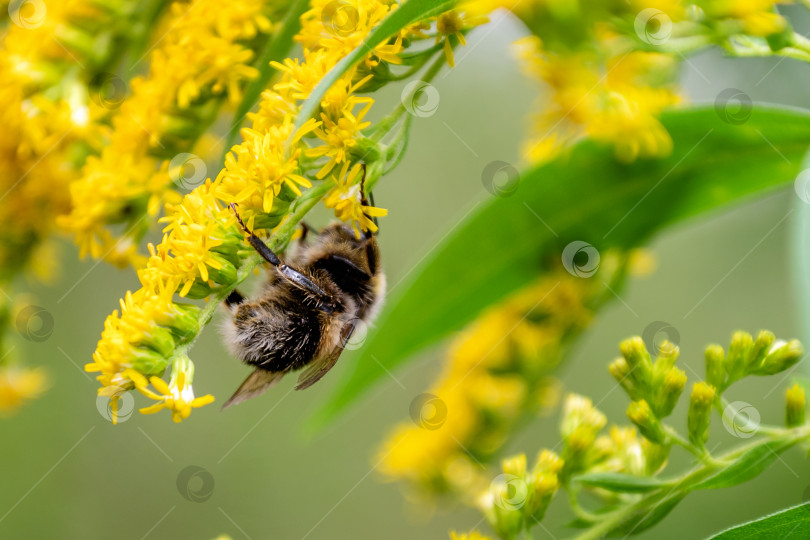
pixel 307 310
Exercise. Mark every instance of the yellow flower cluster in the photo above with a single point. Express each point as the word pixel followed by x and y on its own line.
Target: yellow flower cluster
pixel 45 113
pixel 610 68
pixel 47 55
pixel 497 371
pixel 606 100
pixel 201 52
pixel 33 175
pixel 199 253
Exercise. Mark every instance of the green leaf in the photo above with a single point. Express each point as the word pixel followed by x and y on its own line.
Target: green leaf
pixel 644 519
pixel 748 465
pixel 619 482
pixel 589 196
pixel 792 522
pixel 406 14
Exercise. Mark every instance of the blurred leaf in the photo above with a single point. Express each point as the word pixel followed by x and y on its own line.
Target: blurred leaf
pixel 799 254
pixel 755 460
pixel 587 196
pixel 623 483
pixel 405 15
pixel 644 519
pixel 793 522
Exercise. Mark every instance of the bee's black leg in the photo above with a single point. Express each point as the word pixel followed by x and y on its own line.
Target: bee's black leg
pixel 294 276
pixel 234 298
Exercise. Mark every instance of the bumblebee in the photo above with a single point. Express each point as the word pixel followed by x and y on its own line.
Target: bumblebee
pixel 308 309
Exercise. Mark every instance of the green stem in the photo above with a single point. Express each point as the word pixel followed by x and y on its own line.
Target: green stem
pixel 144 26
pixel 680 484
pixel 384 126
pixel 392 154
pixel 579 511
pixel 701 453
pixel 613 520
pixel 720 405
pixel 276 50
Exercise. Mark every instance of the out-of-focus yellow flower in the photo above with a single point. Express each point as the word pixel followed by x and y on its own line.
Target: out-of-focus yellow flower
pixel 200 46
pixel 18 385
pixel 611 103
pixel 497 370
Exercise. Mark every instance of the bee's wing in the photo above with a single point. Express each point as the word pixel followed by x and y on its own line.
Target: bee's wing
pixel 255 385
pixel 320 366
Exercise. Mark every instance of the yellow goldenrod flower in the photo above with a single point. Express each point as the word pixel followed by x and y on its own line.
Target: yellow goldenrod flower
pixel 345 199
pixel 454 23
pixel 176 396
pixel 339 29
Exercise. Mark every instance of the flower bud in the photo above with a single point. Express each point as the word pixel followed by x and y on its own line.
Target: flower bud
pixel 669 392
pixel 643 417
pixel 781 356
pixel 503 503
pixel 620 370
pixel 700 408
pixel 738 352
pixel 542 487
pixel 581 423
pixel 515 465
pixel 667 356
pixel 796 406
pixel 637 357
pixel 762 345
pixel 548 461
pixel 715 366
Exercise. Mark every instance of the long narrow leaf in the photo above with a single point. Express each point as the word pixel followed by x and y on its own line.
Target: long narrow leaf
pixel 587 196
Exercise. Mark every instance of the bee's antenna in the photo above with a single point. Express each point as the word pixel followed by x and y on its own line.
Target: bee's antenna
pixel 239 219
pixel 363 199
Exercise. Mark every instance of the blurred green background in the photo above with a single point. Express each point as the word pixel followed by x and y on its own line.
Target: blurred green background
pixel 66 472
